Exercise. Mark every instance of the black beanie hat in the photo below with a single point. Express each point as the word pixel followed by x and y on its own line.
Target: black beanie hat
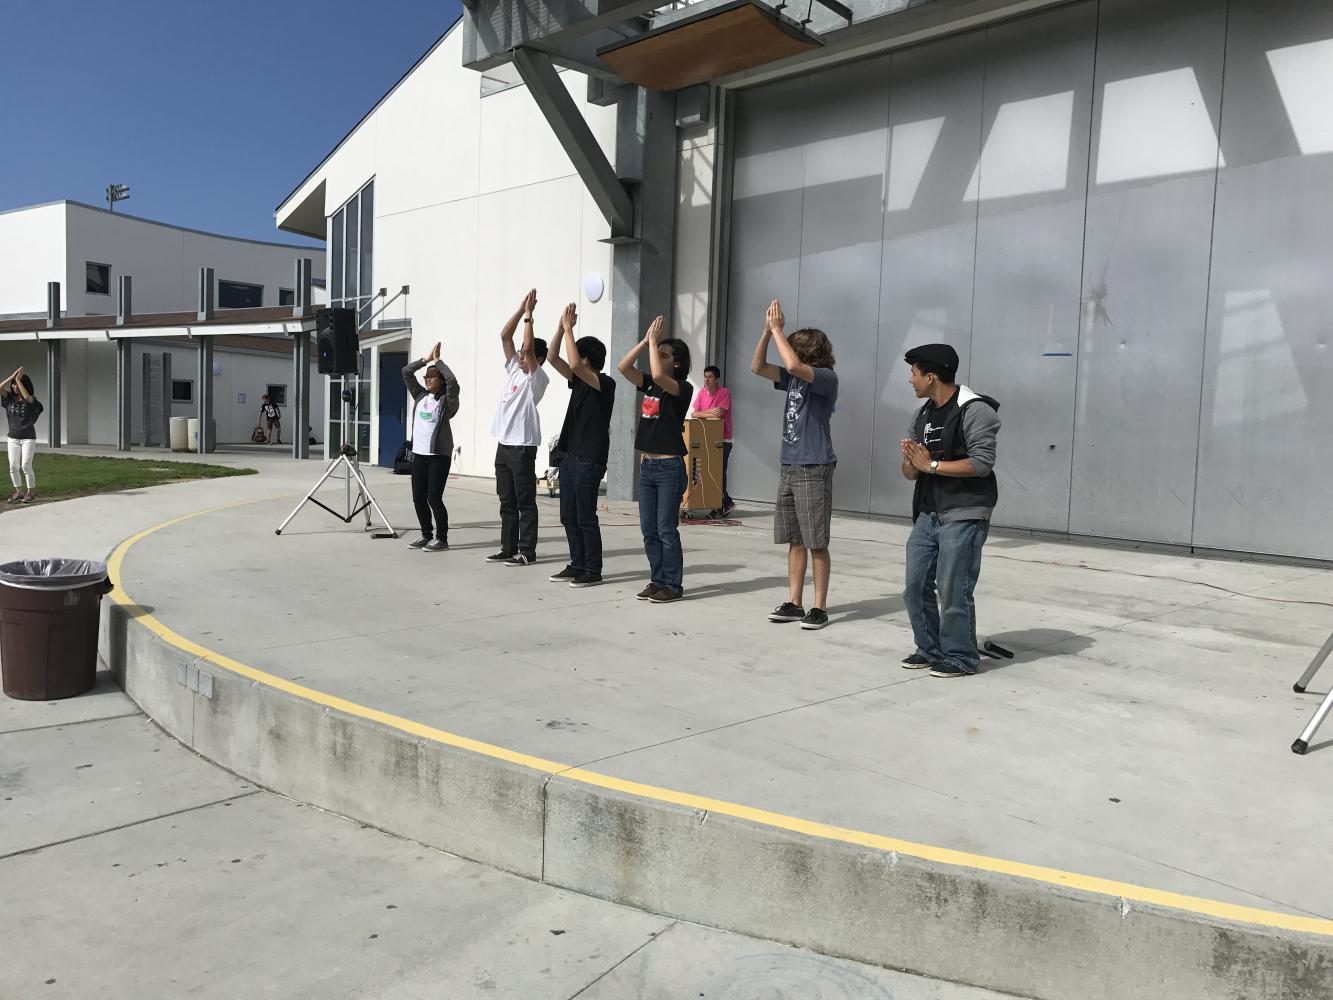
pixel 941 357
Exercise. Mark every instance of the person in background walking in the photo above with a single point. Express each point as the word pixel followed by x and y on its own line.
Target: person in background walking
pixel 804 515
pixel 661 441
pixel 582 448
pixel 432 446
pixel 517 429
pixel 21 410
pixel 713 402
pixel 950 456
pixel 272 417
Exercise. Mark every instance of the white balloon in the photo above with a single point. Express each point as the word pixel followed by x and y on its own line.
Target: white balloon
pixel 593 287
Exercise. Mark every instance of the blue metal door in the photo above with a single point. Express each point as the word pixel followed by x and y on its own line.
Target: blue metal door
pixel 393 406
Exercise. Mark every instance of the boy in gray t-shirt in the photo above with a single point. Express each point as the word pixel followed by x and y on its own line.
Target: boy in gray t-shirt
pixel 805 485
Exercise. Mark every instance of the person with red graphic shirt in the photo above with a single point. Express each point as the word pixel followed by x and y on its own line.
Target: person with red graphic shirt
pixel 713 402
pixel 660 440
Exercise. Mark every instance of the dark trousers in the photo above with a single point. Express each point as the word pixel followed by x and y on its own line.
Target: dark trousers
pixel 429 474
pixel 661 486
pixel 516 485
pixel 579 484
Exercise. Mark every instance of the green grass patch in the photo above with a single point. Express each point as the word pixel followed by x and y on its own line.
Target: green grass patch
pixel 60 477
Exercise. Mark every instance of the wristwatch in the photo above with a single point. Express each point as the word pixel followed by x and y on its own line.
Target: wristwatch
pixel 934 466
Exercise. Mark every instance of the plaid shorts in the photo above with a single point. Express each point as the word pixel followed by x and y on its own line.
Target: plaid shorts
pixel 805 505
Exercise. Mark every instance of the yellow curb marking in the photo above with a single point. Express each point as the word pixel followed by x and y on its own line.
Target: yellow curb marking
pixel 926 852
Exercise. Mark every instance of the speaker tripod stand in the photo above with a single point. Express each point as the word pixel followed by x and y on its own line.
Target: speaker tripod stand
pixel 363 502
pixel 1303 743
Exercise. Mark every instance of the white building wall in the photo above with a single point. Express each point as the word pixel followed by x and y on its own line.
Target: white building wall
pixel 475 203
pixel 32 246
pixel 164 262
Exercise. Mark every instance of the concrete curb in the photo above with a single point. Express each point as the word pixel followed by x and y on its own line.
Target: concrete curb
pixel 948 922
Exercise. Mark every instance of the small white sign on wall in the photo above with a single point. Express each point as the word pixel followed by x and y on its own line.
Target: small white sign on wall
pixel 240 397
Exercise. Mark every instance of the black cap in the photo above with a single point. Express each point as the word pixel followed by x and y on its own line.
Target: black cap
pixel 940 357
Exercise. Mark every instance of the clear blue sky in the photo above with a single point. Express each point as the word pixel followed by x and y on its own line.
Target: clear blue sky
pixel 210 110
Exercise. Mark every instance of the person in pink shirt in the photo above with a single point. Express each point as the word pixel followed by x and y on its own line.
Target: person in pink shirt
pixel 713 402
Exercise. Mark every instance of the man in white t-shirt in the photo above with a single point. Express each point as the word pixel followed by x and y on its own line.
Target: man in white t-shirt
pixel 517 430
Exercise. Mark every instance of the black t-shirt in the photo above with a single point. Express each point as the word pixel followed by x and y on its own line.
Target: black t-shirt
pixel 270 411
pixel 662 418
pixel 22 415
pixel 586 433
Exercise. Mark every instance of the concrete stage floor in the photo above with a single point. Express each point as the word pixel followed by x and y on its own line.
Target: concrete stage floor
pixel 1141 734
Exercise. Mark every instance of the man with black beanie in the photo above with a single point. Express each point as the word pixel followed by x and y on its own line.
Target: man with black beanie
pixel 950 455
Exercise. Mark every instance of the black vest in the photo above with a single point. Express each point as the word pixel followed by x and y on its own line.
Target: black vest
pixel 941 431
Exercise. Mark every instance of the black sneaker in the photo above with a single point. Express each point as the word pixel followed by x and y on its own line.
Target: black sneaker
pixel 915 662
pixel 519 559
pixel 816 618
pixel 646 594
pixel 420 543
pixel 586 580
pixel 499 557
pixel 728 507
pixel 667 595
pixel 16 498
pixel 436 545
pixel 947 670
pixel 565 575
pixel 787 612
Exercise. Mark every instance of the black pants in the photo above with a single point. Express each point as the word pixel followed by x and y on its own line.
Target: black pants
pixel 429 474
pixel 516 486
pixel 726 461
pixel 579 483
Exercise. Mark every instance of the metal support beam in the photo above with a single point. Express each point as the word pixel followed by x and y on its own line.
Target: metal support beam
pixel 580 145
pixel 301 395
pixel 207 286
pixel 52 411
pixel 124 299
pixel 123 395
pixel 302 283
pixel 52 304
pixel 641 270
pixel 205 390
pixel 166 400
pixel 146 401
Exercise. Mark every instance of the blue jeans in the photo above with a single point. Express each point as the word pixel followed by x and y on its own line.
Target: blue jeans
pixel 579 484
pixel 947 556
pixel 661 486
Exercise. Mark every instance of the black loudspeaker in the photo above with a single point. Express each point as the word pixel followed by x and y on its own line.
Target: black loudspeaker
pixel 336 340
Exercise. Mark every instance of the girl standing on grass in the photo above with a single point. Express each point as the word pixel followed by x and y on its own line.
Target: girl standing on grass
pixel 22 410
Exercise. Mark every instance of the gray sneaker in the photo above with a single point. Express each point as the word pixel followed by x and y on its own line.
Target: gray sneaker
pixel 420 543
pixel 436 545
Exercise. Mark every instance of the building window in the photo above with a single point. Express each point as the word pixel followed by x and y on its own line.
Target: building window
pixel 351 260
pixel 182 390
pixel 286 297
pixel 277 395
pixel 99 278
pixel 238 295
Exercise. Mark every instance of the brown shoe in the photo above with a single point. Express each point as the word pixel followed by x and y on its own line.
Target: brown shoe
pixel 646 594
pixel 667 595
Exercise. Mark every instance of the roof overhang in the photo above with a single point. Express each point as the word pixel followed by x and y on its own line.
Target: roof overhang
pixel 268 321
pixel 303 212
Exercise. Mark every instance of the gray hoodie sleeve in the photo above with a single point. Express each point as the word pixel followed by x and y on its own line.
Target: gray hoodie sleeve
pixel 981 425
pixel 450 390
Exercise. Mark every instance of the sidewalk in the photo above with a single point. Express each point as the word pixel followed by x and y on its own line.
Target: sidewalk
pixel 133 868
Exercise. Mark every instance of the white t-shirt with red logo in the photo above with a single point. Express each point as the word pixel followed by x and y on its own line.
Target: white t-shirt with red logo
pixel 517 422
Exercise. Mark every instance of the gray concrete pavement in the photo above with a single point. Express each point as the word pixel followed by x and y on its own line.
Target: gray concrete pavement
pixel 1141 734
pixel 133 868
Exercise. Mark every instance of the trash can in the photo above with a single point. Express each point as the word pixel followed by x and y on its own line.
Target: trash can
pixel 49 615
pixel 180 434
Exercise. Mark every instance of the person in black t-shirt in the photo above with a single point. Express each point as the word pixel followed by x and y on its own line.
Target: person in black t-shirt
pixel 272 417
pixel 21 412
pixel 661 439
pixel 585 440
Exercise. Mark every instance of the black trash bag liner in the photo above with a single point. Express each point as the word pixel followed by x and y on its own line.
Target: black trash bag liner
pixel 52 574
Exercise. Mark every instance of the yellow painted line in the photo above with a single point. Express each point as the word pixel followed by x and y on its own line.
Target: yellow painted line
pixel 925 852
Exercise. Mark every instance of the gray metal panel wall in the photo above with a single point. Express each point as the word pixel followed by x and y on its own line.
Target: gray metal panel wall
pixel 1023 222
pixel 930 236
pixel 1265 482
pixel 766 218
pixel 1145 275
pixel 1031 182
